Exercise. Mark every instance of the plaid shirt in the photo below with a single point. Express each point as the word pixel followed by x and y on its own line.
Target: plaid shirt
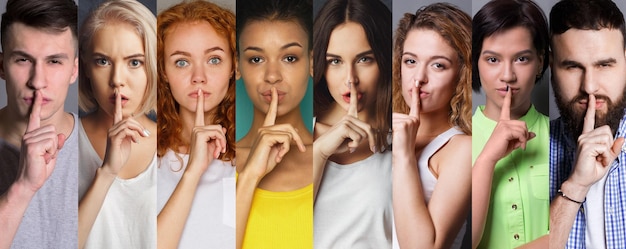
pixel 562 160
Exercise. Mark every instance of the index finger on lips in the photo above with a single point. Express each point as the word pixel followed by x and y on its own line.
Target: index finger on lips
pixel 200 109
pixel 270 118
pixel 590 115
pixel 353 108
pixel 505 112
pixel 34 121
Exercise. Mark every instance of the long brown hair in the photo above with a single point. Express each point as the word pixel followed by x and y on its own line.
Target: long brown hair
pixel 168 120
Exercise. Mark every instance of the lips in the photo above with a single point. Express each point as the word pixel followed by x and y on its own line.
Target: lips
pixel 124 99
pixel 267 95
pixel 502 90
pixel 346 96
pixel 30 100
pixel 194 94
pixel 422 94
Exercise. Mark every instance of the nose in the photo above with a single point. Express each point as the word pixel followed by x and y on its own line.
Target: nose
pixel 37 78
pixel 351 75
pixel 272 73
pixel 508 74
pixel 589 84
pixel 117 75
pixel 198 76
pixel 420 77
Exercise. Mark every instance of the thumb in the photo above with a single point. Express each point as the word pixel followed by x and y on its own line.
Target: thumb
pixel 617 146
pixel 61 140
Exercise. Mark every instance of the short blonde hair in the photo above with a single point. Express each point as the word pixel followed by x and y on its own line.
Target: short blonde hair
pixel 138 16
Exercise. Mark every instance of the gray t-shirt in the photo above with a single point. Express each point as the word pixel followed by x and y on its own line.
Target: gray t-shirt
pixel 51 219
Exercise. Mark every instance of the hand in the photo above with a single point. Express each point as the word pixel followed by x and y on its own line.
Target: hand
pixel 272 143
pixel 405 126
pixel 207 141
pixel 508 134
pixel 596 149
pixel 40 146
pixel 347 134
pixel 120 136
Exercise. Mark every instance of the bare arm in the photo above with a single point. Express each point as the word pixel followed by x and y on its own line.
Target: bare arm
pixel 439 222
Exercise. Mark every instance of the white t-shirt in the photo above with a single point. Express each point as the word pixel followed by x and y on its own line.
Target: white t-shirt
pixel 127 218
pixel 353 208
pixel 211 221
pixel 594 212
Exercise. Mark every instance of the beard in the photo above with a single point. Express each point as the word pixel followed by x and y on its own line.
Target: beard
pixel 574 118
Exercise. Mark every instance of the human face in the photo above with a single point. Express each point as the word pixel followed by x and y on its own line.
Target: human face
pixel 275 54
pixel 509 59
pixel 35 59
pixel 197 57
pixel 429 60
pixel 588 62
pixel 350 58
pixel 116 61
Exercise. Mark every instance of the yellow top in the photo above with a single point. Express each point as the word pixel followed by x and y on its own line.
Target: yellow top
pixel 280 220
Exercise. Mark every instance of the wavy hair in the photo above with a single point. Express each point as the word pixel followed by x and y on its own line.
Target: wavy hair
pixel 455 26
pixel 168 119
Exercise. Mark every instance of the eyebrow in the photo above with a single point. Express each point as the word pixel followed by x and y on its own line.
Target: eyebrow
pixel 208 50
pixel 605 61
pixel 430 58
pixel 286 46
pixel 138 55
pixel 527 51
pixel 357 56
pixel 571 63
pixel 30 57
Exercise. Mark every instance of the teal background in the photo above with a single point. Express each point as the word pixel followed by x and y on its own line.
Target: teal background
pixel 244 109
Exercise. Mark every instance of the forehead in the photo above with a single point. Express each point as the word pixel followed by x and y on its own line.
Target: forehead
pixel 197 34
pixel 426 41
pixel 510 40
pixel 272 33
pixel 117 37
pixel 38 42
pixel 588 45
pixel 349 36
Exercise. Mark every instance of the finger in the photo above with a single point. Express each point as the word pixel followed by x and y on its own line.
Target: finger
pixel 61 141
pixel 200 109
pixel 117 116
pixel 284 148
pixel 369 133
pixel 590 116
pixel 270 118
pixel 505 113
pixel 34 122
pixel 415 102
pixel 353 108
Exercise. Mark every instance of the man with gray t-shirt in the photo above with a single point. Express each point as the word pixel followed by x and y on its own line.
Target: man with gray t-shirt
pixel 38 144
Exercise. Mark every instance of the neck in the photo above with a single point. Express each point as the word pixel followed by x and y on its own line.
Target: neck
pixel 294 117
pixel 433 123
pixel 188 120
pixel 13 124
pixel 492 110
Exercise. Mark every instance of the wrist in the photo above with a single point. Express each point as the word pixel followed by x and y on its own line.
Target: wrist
pixel 105 172
pixel 574 191
pixel 248 178
pixel 19 192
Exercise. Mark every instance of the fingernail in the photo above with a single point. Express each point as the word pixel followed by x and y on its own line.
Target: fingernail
pixel 146 132
pixel 507 88
pixel 374 148
pixel 352 150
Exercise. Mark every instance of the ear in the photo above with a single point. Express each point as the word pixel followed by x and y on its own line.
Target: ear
pixel 74 71
pixel 311 63
pixel 2 75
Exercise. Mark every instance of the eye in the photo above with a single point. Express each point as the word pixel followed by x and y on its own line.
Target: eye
pixel 492 60
pixel 438 66
pixel 215 60
pixel 333 61
pixel 410 61
pixel 290 59
pixel 256 60
pixel 181 63
pixel 53 61
pixel 102 62
pixel 365 59
pixel 522 59
pixel 134 63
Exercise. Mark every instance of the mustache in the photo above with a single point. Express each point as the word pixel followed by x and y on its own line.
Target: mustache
pixel 580 97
